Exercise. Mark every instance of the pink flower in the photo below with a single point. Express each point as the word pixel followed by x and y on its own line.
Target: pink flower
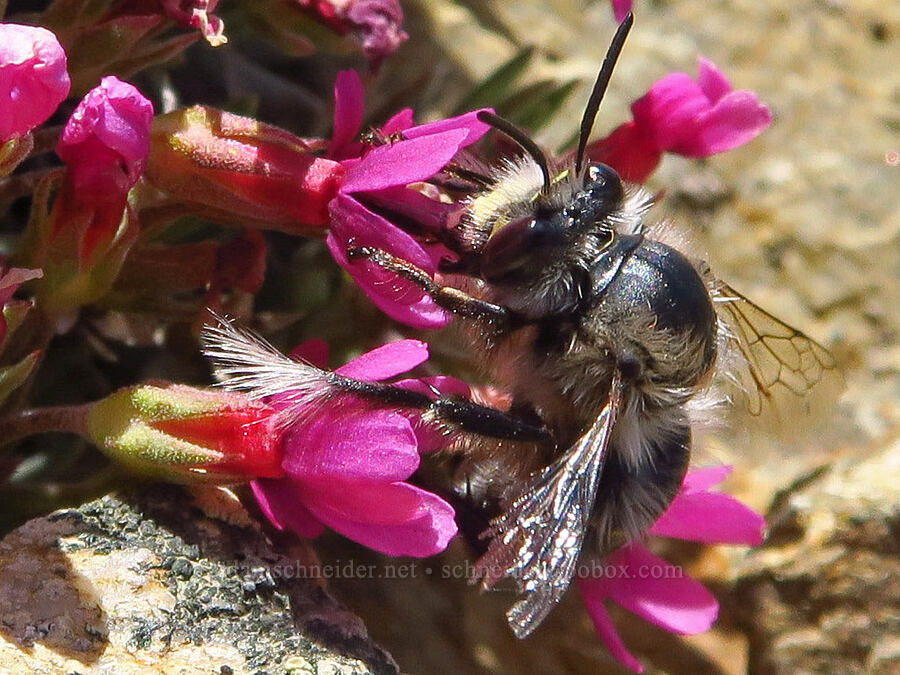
pixel 378 181
pixel 346 466
pixel 375 24
pixel 33 78
pixel 10 280
pixel 656 590
pixel 107 139
pixel 694 119
pixel 621 9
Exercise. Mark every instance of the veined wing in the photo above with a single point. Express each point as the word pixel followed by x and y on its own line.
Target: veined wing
pixel 538 538
pixel 777 356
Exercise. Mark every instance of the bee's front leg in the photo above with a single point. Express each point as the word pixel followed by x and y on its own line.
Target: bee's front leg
pixel 498 317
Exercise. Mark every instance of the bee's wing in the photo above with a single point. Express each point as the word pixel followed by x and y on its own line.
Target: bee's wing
pixel 538 538
pixel 776 356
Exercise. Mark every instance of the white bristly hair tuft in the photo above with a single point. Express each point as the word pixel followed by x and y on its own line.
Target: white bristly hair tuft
pixel 246 362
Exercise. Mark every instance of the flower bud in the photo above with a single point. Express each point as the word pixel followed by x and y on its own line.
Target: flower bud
pixel 236 170
pixel 33 78
pixel 181 433
pixel 107 139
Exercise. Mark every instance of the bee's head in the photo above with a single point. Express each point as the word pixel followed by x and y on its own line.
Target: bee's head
pixel 523 247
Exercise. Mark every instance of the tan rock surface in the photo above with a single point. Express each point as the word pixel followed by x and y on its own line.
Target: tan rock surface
pixel 149 583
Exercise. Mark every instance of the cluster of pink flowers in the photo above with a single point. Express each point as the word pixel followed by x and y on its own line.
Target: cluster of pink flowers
pixel 347 467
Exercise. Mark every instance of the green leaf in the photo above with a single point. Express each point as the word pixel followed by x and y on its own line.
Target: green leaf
pixel 498 84
pixel 13 377
pixel 536 105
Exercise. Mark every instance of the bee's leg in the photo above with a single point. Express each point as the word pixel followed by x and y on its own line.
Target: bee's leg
pixel 454 413
pixel 447 297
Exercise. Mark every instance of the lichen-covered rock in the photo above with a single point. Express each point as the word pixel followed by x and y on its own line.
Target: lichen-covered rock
pixel 150 582
pixel 824 594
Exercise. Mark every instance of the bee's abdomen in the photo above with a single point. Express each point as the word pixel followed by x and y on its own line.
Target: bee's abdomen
pixel 640 479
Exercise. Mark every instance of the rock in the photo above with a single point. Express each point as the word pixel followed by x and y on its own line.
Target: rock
pixel 824 594
pixel 149 582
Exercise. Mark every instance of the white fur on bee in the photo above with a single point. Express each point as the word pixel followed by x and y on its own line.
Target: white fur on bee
pixel 245 362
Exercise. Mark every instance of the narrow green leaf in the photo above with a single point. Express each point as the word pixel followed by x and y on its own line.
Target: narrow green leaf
pixel 498 84
pixel 13 377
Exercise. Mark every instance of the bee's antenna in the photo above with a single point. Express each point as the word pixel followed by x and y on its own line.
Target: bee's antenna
pixel 521 138
pixel 603 77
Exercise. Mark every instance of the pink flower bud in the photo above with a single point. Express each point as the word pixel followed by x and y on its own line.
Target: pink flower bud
pixel 235 169
pixel 107 139
pixel 33 78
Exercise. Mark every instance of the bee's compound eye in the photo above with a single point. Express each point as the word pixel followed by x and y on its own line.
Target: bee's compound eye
pixel 510 249
pixel 604 184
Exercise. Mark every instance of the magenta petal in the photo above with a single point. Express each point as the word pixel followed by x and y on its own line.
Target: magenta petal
pixel 607 630
pixel 386 361
pixel 620 10
pixel 349 105
pixel 468 122
pixel 445 384
pixel 403 162
pixel 712 81
pixel 670 109
pixel 737 118
pixel 351 220
pixel 313 352
pixel 33 78
pixel 396 519
pixel 350 442
pixel 402 121
pixel 711 518
pixel 427 212
pixel 282 505
pixel 672 601
pixel 398 298
pixel 701 479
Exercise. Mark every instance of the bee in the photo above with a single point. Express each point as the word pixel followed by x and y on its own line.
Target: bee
pixel 605 335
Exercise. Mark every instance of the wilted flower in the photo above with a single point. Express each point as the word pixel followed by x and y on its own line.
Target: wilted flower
pixel 375 24
pixel 346 466
pixel 33 78
pixel 189 13
pixel 198 14
pixel 655 589
pixel 235 169
pixel 694 119
pixel 180 432
pixel 381 177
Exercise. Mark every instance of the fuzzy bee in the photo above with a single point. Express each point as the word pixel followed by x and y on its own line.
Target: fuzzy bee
pixel 604 334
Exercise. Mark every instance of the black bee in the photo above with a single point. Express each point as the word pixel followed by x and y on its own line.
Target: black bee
pixel 604 334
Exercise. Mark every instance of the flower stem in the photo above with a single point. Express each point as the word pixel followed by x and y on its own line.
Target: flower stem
pixel 22 184
pixel 30 421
